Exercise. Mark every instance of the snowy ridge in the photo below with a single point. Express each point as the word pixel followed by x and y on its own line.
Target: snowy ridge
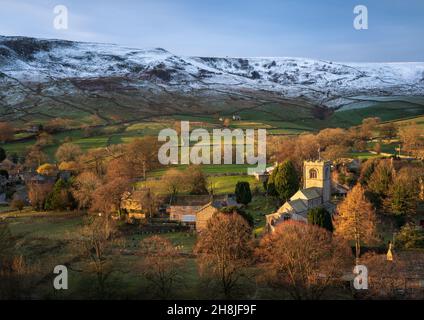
pixel 322 82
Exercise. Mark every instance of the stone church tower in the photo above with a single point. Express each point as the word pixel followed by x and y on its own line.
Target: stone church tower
pixel 317 174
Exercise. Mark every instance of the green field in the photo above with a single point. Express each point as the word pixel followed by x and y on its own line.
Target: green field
pixel 288 118
pixel 46 240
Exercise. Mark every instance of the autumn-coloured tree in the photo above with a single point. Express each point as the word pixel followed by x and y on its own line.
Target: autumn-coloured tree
pixel 161 264
pixel 94 241
pixel 143 155
pixel 302 258
pixel 84 186
pixel 412 138
pixel 120 167
pixel 196 180
pixel 38 193
pixel 174 181
pixel 388 130
pixel 57 124
pixel 68 152
pixel 44 139
pixel 149 201
pixel 333 137
pixel 224 250
pixel 72 166
pixel 367 127
pixel 108 197
pixel 94 160
pixel 35 157
pixel 47 169
pixel 296 149
pixel 356 219
pixel 6 132
pixel 334 152
pixel 377 148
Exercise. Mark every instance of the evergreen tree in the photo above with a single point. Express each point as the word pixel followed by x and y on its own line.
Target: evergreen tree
pixel 243 193
pixel 60 198
pixel 320 217
pixel 403 194
pixel 284 181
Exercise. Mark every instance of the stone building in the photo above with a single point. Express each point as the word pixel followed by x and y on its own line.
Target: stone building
pixel 316 192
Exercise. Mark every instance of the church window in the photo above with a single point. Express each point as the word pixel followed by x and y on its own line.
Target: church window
pixel 313 174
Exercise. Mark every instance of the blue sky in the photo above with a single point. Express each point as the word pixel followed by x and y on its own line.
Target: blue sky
pixel 299 28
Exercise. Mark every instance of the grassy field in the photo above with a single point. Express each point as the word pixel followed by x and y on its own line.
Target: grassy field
pixel 46 240
pixel 287 118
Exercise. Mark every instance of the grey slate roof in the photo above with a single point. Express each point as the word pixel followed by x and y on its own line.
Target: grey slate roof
pixel 298 205
pixel 311 193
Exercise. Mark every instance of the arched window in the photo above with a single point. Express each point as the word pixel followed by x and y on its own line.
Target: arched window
pixel 313 174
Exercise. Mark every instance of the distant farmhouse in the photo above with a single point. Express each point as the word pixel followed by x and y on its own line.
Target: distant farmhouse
pixel 190 210
pixel 197 210
pixel 184 208
pixel 204 214
pixel 316 192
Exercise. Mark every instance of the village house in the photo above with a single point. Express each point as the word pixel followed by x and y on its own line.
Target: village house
pixel 262 176
pixel 132 203
pixel 183 208
pixel 316 192
pixel 197 210
pixel 204 214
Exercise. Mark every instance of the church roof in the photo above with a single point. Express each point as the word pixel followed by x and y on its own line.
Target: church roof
pixel 307 194
pixel 298 205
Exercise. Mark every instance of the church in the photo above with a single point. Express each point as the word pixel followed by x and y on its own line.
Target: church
pixel 316 192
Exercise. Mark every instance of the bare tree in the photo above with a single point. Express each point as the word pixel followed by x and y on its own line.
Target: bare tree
pixel 108 197
pixel 224 250
pixel 120 168
pixel 174 181
pixel 35 157
pixel 305 259
pixel 412 138
pixel 161 264
pixel 84 186
pixel 68 152
pixel 37 194
pixel 386 279
pixel 94 241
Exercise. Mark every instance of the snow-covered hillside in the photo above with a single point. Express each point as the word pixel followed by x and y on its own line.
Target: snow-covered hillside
pixel 29 60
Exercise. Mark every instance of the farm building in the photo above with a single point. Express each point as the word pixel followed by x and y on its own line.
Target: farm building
pixel 207 212
pixel 184 206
